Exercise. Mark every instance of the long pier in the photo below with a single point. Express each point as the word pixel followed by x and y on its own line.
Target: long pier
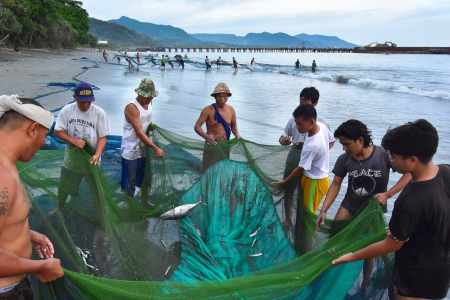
pixel 241 49
pixel 394 50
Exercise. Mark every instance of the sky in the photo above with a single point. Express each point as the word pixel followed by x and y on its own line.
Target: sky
pixel 404 22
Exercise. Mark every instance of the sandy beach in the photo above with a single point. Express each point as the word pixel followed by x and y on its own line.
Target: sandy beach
pixel 28 72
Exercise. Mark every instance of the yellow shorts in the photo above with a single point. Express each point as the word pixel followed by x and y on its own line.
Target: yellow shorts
pixel 313 192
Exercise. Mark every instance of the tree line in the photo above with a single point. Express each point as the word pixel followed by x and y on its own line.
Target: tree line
pixel 45 24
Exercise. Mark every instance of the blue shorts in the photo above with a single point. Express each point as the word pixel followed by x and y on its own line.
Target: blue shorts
pixel 133 172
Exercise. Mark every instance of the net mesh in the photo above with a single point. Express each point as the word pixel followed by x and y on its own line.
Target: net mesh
pixel 232 245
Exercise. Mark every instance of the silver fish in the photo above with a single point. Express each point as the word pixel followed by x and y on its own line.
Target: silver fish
pixel 164 244
pixel 255 255
pixel 253 244
pixel 254 233
pixel 85 254
pixel 198 231
pixel 179 211
pixel 167 271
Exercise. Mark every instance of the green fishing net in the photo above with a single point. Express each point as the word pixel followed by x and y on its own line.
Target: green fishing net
pixel 231 246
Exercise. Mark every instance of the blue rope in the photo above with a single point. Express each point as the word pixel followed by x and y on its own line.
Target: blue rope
pixel 70 85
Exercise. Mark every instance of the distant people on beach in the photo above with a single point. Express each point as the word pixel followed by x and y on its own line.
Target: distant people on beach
pixel 163 62
pixel 137 58
pixel 208 64
pixel 128 60
pixel 220 119
pixel 169 60
pixel 181 62
pixel 24 124
pixel 252 62
pixel 235 64
pixel 177 57
pixel 314 66
pixel 291 135
pixel 78 124
pixel 297 64
pixel 218 62
pixel 105 56
pixel 118 56
pixel 138 115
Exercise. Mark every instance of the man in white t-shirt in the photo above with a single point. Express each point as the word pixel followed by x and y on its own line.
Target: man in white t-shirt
pixel 292 135
pixel 314 160
pixel 78 123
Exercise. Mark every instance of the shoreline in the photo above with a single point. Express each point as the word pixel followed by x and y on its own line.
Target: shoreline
pixel 28 72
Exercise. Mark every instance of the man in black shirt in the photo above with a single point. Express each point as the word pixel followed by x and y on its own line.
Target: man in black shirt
pixel 419 230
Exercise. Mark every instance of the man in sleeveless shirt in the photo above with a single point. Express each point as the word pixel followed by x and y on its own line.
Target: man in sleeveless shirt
pixel 138 115
pixel 220 119
pixel 23 127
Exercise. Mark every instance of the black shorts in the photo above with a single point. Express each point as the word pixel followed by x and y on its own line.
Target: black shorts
pixel 22 291
pixel 429 284
pixel 353 205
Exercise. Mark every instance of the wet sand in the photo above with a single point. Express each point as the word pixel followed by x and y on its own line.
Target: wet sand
pixel 28 72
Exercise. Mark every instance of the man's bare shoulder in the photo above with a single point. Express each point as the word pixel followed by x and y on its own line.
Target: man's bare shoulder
pixel 229 107
pixel 131 107
pixel 131 111
pixel 208 110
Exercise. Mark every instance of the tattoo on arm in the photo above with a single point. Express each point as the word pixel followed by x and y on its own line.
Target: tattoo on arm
pixel 3 204
pixel 4 194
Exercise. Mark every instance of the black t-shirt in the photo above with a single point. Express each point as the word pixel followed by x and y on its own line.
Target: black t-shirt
pixel 421 219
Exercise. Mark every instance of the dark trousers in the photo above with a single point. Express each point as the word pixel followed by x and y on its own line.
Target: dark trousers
pixel 22 291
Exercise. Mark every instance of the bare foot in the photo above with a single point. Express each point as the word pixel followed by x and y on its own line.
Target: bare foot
pixel 148 205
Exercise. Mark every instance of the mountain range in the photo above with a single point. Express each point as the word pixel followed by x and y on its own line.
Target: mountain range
pixel 166 35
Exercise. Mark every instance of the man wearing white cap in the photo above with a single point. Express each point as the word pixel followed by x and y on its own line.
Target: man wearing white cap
pixel 24 124
pixel 78 123
pixel 138 116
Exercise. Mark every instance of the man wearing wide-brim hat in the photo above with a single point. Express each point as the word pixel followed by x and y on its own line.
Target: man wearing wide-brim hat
pixel 138 115
pixel 220 118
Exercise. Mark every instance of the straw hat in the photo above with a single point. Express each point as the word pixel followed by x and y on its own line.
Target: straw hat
pixel 221 88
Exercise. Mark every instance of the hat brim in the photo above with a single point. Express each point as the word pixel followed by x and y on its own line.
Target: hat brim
pixel 85 98
pixel 146 94
pixel 214 94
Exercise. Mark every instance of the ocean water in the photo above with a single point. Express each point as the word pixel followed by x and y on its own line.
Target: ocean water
pixel 380 90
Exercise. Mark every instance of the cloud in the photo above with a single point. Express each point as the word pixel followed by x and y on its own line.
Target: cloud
pixel 351 20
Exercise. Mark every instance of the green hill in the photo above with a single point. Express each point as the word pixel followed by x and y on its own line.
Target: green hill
pixel 118 35
pixel 164 34
pixel 324 41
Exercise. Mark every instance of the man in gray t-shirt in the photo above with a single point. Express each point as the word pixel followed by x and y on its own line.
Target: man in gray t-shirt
pixel 368 167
